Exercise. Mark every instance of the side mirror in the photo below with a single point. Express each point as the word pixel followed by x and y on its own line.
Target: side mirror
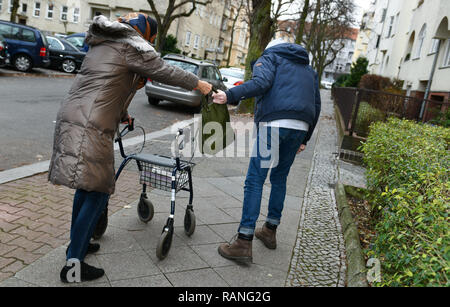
pixel 225 79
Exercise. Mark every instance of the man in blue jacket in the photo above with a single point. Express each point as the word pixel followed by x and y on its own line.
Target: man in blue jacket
pixel 287 109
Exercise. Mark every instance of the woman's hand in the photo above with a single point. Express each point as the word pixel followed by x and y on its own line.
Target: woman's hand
pixel 302 148
pixel 220 97
pixel 204 87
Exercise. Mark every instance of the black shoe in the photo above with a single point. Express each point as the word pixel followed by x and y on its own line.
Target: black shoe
pixel 92 248
pixel 87 273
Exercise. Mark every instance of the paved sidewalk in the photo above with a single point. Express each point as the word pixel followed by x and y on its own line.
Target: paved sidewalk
pixel 128 248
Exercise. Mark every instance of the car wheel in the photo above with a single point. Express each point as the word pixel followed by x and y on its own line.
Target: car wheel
pixel 69 66
pixel 153 101
pixel 23 63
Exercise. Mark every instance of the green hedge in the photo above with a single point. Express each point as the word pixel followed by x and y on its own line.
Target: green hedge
pixel 408 179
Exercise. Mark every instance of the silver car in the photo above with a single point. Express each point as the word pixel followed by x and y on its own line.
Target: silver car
pixel 157 92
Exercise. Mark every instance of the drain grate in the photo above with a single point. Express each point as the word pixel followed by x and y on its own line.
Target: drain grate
pixel 351 156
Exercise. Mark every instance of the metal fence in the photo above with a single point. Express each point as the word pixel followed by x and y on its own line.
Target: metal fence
pixel 361 107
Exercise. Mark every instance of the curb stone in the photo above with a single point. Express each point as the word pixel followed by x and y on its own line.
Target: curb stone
pixel 356 268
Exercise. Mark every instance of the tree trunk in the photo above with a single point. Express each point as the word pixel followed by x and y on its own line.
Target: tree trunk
pixel 312 30
pixel 302 22
pixel 232 33
pixel 15 8
pixel 261 33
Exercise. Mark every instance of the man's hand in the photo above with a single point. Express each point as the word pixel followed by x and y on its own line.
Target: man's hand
pixel 204 87
pixel 302 148
pixel 220 97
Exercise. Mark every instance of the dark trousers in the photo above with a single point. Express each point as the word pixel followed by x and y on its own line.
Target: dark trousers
pixel 87 208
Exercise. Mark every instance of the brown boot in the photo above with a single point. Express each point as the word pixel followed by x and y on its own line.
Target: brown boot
pixel 267 236
pixel 240 250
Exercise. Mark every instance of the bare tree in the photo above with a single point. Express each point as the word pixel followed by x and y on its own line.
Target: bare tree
pixel 14 9
pixel 324 36
pixel 175 9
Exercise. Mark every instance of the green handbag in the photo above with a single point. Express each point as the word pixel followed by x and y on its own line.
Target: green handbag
pixel 217 133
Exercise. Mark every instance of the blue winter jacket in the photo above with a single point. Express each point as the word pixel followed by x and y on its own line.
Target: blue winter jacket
pixel 285 87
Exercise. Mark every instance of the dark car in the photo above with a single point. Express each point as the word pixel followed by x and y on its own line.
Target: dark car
pixel 77 40
pixel 64 55
pixel 4 55
pixel 27 46
pixel 204 70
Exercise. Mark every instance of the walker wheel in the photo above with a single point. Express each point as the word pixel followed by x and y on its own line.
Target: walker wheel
pixel 145 210
pixel 164 243
pixel 189 222
pixel 102 224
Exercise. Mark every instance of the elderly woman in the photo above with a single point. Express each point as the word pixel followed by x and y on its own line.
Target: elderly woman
pixel 119 59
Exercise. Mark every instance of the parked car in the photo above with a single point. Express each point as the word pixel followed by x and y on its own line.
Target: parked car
pixel 77 40
pixel 27 46
pixel 205 71
pixel 326 84
pixel 4 55
pixel 64 55
pixel 232 76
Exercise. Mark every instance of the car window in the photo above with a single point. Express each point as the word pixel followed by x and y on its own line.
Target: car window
pixel 68 46
pixel 217 74
pixel 183 65
pixel 54 43
pixel 77 41
pixel 44 39
pixel 209 73
pixel 15 33
pixel 5 30
pixel 28 36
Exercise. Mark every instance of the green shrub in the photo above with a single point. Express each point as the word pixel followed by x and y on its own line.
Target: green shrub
pixel 408 179
pixel 366 116
pixel 340 81
pixel 359 69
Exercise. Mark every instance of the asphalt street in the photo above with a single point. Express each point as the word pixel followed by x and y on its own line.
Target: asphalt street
pixel 28 108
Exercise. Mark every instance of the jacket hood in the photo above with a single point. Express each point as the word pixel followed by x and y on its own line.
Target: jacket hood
pixel 102 30
pixel 292 52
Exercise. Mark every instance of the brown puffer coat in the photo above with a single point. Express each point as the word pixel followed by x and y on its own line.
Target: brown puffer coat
pixel 83 154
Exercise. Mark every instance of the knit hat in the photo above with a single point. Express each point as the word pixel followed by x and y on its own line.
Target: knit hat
pixel 143 24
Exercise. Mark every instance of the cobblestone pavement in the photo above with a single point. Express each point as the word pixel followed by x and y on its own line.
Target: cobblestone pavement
pixel 319 252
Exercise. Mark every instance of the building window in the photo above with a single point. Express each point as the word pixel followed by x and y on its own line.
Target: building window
pixel 50 11
pixel 196 41
pixel 37 9
pixel 420 41
pixel 1 5
pixel 434 46
pixel 24 7
pixel 76 15
pixel 203 41
pixel 64 10
pixel 188 39
pixel 10 6
pixel 447 55
pixel 391 27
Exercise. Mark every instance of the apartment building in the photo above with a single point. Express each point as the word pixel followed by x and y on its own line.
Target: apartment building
pixel 235 35
pixel 206 34
pixel 410 40
pixel 68 16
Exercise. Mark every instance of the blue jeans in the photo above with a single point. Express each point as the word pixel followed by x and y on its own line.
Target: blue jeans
pixel 87 208
pixel 280 146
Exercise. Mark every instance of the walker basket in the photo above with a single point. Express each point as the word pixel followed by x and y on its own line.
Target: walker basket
pixel 160 177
